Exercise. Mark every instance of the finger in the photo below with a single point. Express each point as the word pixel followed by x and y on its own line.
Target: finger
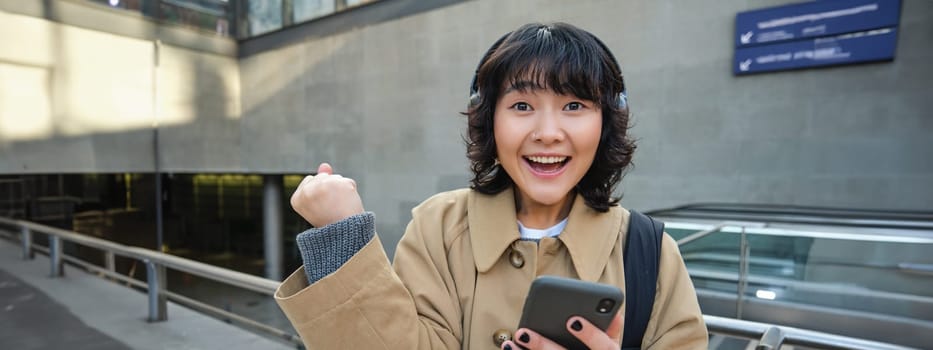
pixel 589 334
pixel 325 168
pixel 534 341
pixel 615 327
pixel 305 180
pixel 509 345
pixel 296 196
pixel 343 181
pixel 295 199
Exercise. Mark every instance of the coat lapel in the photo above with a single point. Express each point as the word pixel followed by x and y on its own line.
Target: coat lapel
pixel 589 236
pixel 493 226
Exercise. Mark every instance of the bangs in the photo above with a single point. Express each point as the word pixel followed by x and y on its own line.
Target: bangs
pixel 550 59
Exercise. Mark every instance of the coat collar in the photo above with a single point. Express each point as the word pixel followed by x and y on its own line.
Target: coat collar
pixel 589 236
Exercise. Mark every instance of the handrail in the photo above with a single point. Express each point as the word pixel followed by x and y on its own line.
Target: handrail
pixel 695 236
pixel 155 262
pixel 808 220
pixel 766 334
pixel 720 206
pixel 791 336
pixel 802 215
pixel 919 269
pixel 778 231
pixel 234 278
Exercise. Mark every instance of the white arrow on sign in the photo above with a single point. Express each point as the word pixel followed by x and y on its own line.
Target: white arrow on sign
pixel 747 37
pixel 744 65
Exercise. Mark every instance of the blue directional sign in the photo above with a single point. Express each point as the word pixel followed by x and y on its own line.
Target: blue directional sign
pixel 876 45
pixel 816 33
pixel 814 19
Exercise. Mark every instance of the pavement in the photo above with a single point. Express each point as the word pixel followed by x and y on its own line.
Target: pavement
pixel 83 311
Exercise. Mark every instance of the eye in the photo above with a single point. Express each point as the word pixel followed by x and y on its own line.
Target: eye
pixel 521 106
pixel 574 106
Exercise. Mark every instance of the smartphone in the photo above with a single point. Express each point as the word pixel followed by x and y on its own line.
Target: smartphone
pixel 553 300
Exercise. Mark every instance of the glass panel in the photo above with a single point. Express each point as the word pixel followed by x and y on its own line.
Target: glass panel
pixel 848 273
pixel 264 16
pixel 304 10
pixel 678 233
pixel 713 262
pixel 260 16
pixel 211 15
pixel 132 5
pixel 351 3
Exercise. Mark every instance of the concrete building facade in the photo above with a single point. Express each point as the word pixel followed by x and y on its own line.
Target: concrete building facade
pixel 382 103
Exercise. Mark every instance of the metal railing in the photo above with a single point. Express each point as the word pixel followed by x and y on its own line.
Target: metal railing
pixel 900 219
pixel 744 229
pixel 744 252
pixel 742 278
pixel 695 236
pixel 764 229
pixel 772 337
pixel 156 263
pixel 768 336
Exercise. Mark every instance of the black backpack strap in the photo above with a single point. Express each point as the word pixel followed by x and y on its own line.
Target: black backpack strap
pixel 641 257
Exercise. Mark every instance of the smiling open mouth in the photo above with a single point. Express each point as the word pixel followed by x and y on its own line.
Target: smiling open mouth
pixel 547 165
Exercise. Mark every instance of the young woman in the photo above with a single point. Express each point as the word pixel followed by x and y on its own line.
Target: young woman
pixel 548 143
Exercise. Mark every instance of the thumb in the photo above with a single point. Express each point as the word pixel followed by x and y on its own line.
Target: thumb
pixel 614 330
pixel 325 168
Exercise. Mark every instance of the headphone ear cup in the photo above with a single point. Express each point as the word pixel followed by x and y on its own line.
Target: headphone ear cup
pixel 475 99
pixel 623 100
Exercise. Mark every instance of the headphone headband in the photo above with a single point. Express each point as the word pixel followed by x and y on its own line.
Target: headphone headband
pixel 474 90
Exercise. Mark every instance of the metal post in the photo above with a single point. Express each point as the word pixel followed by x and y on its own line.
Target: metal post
pixel 109 261
pixel 157 167
pixel 241 14
pixel 272 225
pixel 287 13
pixel 157 297
pixel 772 339
pixel 743 274
pixel 55 256
pixel 27 242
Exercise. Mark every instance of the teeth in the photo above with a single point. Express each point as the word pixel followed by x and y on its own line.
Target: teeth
pixel 547 160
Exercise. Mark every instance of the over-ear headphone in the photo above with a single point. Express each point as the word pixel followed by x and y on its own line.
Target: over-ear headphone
pixel 475 97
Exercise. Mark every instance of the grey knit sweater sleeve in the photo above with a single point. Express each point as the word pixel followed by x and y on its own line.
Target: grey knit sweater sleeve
pixel 326 249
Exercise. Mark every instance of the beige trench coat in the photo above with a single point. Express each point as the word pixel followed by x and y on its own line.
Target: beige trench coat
pixel 461 273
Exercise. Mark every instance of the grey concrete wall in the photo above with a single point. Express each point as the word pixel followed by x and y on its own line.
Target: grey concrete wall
pixel 77 99
pixel 856 136
pixel 381 103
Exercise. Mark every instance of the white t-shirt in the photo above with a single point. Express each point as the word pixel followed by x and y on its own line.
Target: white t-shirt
pixel 533 233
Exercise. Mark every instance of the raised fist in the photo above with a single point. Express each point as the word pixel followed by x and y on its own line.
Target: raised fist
pixel 326 198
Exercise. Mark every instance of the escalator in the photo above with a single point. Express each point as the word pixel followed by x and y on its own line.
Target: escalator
pixel 860 273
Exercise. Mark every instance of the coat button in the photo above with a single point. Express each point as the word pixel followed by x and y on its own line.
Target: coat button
pixel 501 336
pixel 516 258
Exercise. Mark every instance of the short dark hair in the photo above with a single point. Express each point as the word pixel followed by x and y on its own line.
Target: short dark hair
pixel 568 61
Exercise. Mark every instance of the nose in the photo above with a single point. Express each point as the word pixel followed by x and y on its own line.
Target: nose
pixel 548 129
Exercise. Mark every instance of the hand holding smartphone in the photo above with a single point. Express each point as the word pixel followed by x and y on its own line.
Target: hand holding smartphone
pixel 553 300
